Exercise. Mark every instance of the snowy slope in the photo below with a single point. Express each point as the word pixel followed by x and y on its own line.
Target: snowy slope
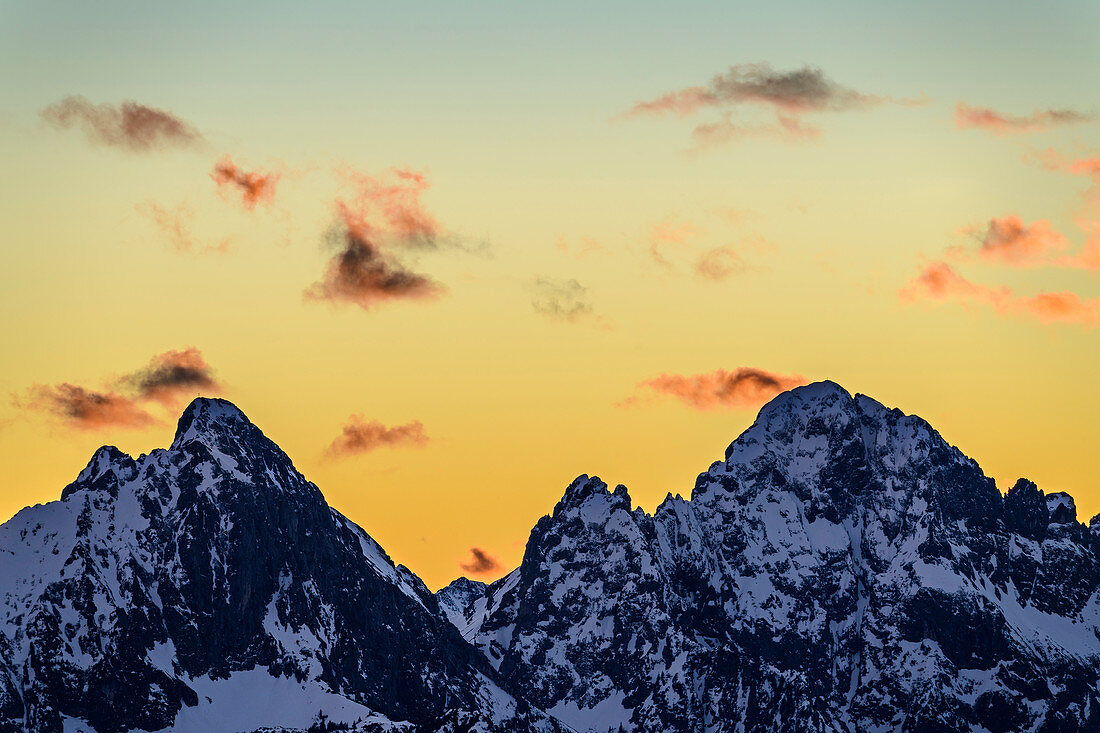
pixel 843 568
pixel 209 587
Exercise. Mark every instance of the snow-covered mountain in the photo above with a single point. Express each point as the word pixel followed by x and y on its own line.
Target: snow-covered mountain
pixel 842 569
pixel 209 588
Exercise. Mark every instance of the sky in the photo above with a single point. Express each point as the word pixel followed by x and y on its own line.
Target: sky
pixel 450 256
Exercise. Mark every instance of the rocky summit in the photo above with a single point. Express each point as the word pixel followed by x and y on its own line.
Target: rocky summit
pixel 209 587
pixel 841 569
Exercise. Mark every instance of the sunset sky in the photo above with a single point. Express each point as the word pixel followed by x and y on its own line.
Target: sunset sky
pixel 450 255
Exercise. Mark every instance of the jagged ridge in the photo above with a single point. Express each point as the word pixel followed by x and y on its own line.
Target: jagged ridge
pixel 843 568
pixel 209 587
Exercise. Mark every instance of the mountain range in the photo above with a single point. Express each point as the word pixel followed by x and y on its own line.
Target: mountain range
pixel 842 568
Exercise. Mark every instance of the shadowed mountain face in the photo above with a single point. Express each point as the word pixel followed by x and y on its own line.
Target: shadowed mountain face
pixel 843 569
pixel 210 587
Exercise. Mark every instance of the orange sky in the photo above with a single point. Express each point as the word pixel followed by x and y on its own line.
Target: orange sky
pixel 450 260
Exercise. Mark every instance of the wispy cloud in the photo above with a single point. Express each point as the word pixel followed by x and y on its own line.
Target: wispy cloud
pixel 718 263
pixel 86 409
pixel 561 300
pixel 938 281
pixel 746 387
pixel 253 187
pixel 1001 123
pixel 481 562
pixel 175 224
pixel 392 204
pixel 130 126
pixel 166 380
pixel 789 95
pixel 582 249
pixel 670 236
pixel 1009 240
pixel 360 436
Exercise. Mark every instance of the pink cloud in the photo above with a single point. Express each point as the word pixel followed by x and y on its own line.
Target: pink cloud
pixel 745 387
pixel 87 409
pixel 1000 123
pixel 362 436
pixel 254 187
pixel 938 281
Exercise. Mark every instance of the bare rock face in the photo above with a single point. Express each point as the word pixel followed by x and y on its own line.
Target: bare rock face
pixel 843 569
pixel 209 587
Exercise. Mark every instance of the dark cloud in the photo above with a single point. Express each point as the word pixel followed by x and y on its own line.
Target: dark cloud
pixel 130 125
pixel 254 187
pixel 86 409
pixel 172 376
pixel 480 563
pixel 384 214
pixel 362 436
pixel 562 300
pixel 1001 123
pixel 788 94
pixel 167 379
pixel 363 274
pixel 745 387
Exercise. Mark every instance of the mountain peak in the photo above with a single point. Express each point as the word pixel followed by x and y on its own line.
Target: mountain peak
pixel 584 488
pixel 209 416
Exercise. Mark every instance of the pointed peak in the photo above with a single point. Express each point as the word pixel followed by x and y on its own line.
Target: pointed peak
pixel 585 487
pixel 463 584
pixel 1062 508
pixel 825 389
pixel 809 397
pixel 106 460
pixel 206 416
pixel 104 457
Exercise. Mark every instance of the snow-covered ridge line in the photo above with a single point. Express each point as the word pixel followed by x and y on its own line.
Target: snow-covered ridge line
pixel 209 587
pixel 843 568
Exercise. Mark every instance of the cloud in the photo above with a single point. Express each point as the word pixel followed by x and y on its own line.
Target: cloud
pixel 86 409
pixel 1009 240
pixel 580 250
pixel 793 92
pixel 745 387
pixel 394 202
pixel 363 274
pixel 670 235
pixel 719 263
pixel 362 436
pixel 175 225
pixel 382 214
pixel 561 300
pixel 166 380
pixel 1088 167
pixel 172 376
pixel 253 186
pixel 939 281
pixel 480 562
pixel 789 95
pixel 130 125
pixel 1000 123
